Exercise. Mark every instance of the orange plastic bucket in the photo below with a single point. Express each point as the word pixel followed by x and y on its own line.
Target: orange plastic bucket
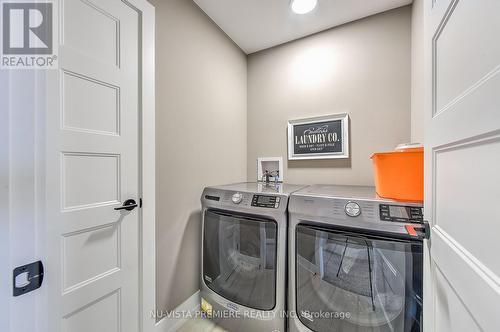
pixel 399 174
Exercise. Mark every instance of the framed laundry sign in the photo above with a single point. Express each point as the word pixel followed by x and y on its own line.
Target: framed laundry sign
pixel 323 137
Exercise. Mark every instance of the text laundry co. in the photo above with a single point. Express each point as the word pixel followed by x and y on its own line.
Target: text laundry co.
pixel 317 138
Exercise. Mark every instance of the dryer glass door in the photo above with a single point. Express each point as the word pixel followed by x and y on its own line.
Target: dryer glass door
pixel 357 282
pixel 239 258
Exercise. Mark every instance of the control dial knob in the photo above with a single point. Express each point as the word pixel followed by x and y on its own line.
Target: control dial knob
pixel 237 198
pixel 352 209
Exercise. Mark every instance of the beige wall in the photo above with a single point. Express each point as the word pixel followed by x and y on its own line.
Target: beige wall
pixel 417 71
pixel 201 136
pixel 362 68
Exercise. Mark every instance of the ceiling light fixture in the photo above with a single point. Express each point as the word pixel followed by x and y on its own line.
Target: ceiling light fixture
pixel 303 6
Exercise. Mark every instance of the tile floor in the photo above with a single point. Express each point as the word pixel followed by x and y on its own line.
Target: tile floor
pixel 200 325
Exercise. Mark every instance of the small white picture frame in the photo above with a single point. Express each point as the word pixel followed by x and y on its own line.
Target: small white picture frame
pixel 271 164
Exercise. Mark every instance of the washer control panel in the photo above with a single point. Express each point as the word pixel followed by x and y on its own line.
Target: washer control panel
pixel 266 201
pixel 400 213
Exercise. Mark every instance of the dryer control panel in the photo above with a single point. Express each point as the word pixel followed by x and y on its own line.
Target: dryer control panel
pixel 400 213
pixel 266 201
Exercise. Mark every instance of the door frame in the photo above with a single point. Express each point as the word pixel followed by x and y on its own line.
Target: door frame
pixel 22 184
pixel 147 146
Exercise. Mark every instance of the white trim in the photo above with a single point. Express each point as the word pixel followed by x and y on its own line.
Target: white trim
pixel 191 306
pixel 5 245
pixel 147 287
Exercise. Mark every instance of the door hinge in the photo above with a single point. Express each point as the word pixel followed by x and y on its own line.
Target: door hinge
pixel 27 278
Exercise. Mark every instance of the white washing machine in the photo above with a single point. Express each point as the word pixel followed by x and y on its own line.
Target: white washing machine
pixel 355 261
pixel 244 244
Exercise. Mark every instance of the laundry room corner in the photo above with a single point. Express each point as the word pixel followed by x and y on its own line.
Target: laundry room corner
pixel 201 139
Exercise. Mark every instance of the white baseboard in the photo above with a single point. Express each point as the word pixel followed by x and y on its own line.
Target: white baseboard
pixel 171 324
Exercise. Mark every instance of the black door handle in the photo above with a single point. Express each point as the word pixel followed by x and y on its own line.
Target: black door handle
pixel 128 205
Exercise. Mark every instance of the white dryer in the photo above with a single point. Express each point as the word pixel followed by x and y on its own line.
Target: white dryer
pixel 243 279
pixel 355 261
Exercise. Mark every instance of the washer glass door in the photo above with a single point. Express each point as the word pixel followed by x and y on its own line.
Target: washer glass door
pixel 357 282
pixel 239 258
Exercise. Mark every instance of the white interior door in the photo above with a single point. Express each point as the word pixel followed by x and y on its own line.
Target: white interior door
pixel 92 275
pixel 462 144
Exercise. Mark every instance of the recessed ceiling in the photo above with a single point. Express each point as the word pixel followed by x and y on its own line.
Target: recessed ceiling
pixel 255 25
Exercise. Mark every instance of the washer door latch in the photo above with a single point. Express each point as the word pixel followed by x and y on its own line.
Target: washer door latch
pixel 421 231
pixel 27 278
